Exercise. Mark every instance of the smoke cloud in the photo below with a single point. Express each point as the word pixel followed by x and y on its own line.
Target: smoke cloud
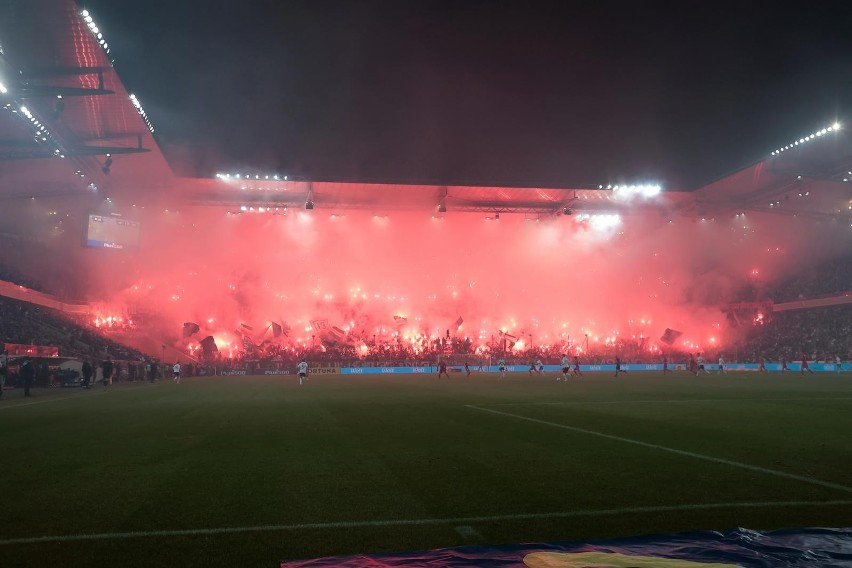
pixel 374 274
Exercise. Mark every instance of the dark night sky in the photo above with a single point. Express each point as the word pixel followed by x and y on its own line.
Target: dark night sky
pixel 504 93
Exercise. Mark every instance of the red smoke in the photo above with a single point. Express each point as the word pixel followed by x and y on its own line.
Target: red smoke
pixel 551 279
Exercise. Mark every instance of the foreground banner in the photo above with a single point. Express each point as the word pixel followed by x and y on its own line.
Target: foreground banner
pixel 741 548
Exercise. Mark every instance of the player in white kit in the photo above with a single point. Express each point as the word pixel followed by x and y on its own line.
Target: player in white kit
pixel 565 363
pixel 303 371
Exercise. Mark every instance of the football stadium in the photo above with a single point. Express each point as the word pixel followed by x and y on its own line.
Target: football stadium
pixel 215 357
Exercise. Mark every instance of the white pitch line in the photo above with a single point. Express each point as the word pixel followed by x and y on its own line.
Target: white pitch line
pixel 663 401
pixel 419 522
pixel 724 461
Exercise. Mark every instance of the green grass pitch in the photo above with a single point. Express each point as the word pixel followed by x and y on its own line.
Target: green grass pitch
pixel 141 475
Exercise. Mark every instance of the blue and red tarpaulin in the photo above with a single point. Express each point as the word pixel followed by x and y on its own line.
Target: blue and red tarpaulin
pixel 740 548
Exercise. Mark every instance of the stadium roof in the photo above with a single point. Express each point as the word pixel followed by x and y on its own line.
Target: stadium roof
pixel 65 110
pixel 67 122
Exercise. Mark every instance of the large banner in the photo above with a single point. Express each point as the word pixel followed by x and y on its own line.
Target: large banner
pixel 742 548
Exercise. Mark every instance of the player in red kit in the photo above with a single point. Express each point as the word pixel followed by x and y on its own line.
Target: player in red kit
pixel 442 369
pixel 784 363
pixel 577 371
pixel 666 365
pixel 467 369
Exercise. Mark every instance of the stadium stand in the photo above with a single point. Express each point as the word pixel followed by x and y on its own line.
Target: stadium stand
pixel 829 278
pixel 819 334
pixel 25 323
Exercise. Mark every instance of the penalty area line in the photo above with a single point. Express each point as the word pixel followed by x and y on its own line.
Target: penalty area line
pixel 419 522
pixel 741 465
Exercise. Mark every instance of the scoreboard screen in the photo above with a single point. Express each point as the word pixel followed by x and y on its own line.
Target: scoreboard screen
pixel 112 232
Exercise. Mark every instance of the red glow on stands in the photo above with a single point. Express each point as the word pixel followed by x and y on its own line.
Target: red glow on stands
pixel 406 279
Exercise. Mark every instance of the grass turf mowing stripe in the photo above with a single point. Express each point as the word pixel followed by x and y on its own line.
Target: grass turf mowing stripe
pixel 665 401
pixel 724 461
pixel 416 522
pixel 73 396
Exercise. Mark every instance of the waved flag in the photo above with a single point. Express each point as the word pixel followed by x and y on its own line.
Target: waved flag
pixel 670 335
pixel 190 328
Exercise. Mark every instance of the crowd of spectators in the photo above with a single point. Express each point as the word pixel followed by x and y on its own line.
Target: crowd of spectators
pixel 31 324
pixel 454 353
pixel 818 333
pixel 829 278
